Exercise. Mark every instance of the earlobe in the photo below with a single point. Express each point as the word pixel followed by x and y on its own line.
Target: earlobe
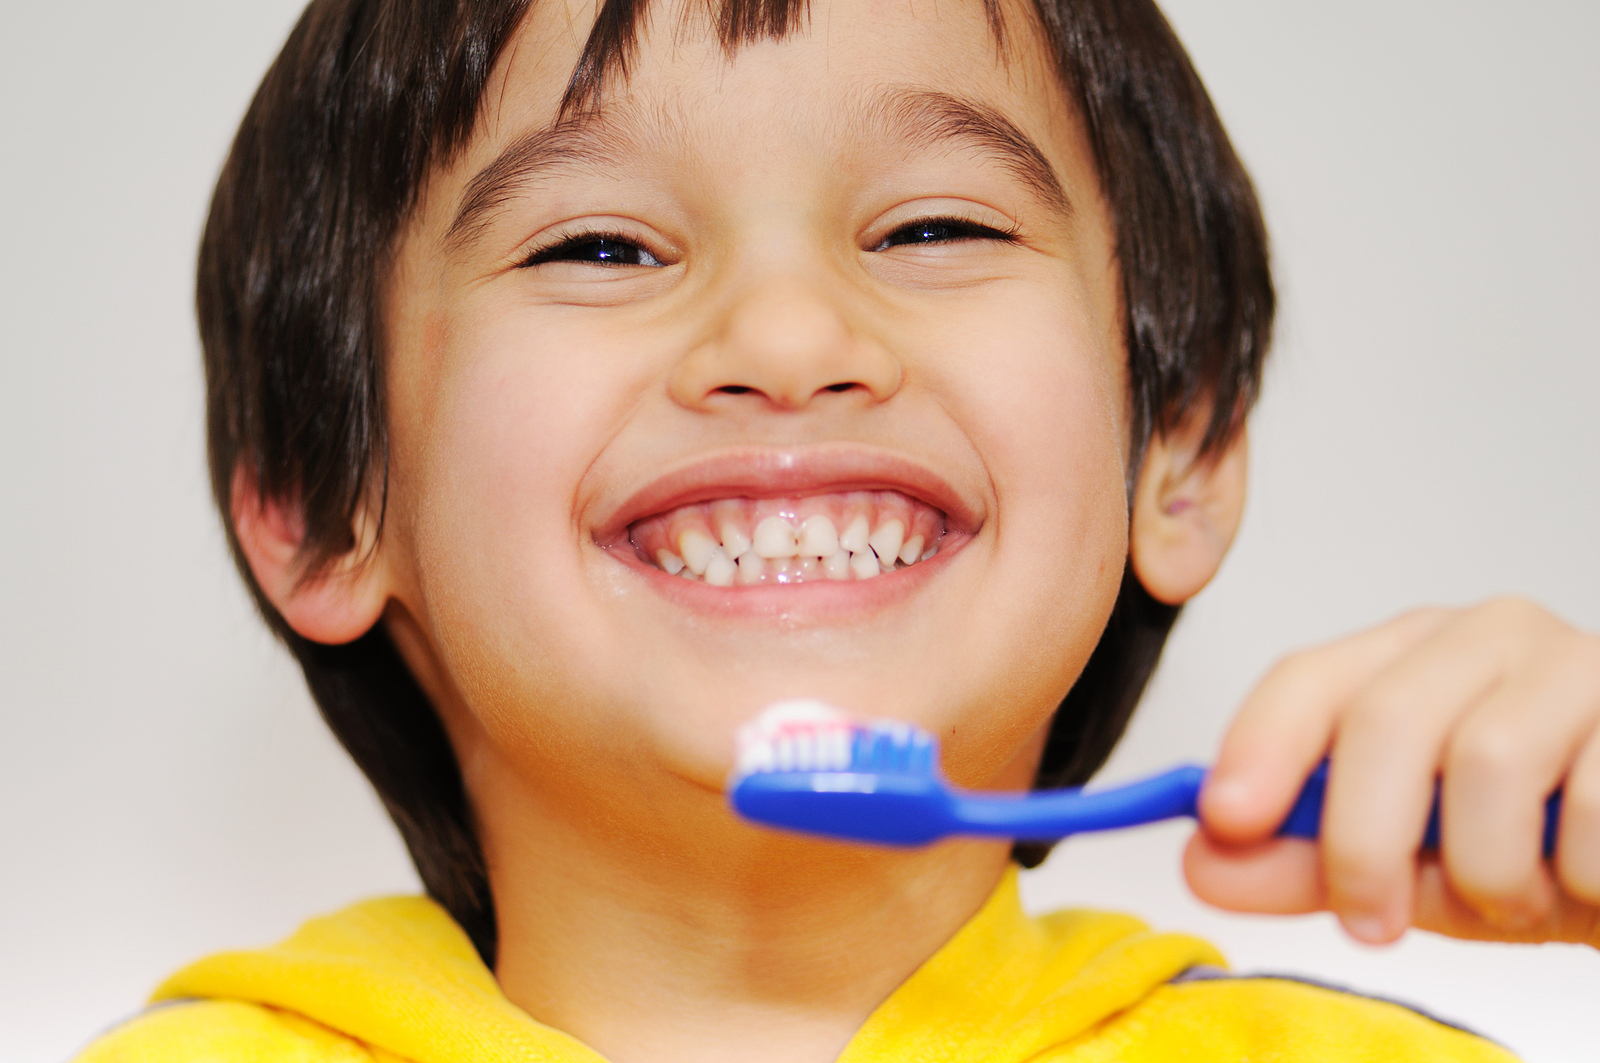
pixel 1186 511
pixel 334 606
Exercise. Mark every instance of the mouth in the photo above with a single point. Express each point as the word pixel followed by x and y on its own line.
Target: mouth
pixel 757 519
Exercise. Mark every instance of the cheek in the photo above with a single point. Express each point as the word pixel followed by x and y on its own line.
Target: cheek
pixel 511 419
pixel 1041 395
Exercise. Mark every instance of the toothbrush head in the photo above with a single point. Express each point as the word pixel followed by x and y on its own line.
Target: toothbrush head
pixel 807 766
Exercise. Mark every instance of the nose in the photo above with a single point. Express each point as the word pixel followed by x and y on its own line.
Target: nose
pixel 785 341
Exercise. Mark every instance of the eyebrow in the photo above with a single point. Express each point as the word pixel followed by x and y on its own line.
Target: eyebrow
pixel 587 141
pixel 937 119
pixel 597 140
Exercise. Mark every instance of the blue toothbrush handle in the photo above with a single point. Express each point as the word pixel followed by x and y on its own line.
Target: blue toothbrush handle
pixel 1305 818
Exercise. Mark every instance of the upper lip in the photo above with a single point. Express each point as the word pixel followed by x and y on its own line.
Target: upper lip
pixel 777 472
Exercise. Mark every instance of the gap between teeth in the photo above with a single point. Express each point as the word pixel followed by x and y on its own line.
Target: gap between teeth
pixel 788 554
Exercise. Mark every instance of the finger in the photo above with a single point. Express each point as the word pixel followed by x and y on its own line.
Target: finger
pixel 1386 754
pixel 1440 910
pixel 1501 764
pixel 1282 876
pixel 1578 840
pixel 1284 726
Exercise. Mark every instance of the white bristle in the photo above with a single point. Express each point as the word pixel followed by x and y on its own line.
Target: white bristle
pixel 804 734
pixel 799 734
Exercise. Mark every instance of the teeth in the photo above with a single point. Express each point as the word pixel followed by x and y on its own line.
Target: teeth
pixel 742 541
pixel 735 543
pixel 863 565
pixel 697 548
pixel 818 538
pixel 885 542
pixel 854 538
pixel 836 565
pixel 751 568
pixel 721 569
pixel 775 538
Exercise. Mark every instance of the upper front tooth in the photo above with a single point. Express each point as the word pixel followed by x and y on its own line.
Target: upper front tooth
pixel 696 547
pixel 775 538
pixel 818 538
pixel 885 542
pixel 911 552
pixel 854 538
pixel 836 565
pixel 735 543
pixel 751 567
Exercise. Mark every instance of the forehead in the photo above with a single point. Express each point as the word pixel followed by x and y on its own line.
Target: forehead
pixel 950 71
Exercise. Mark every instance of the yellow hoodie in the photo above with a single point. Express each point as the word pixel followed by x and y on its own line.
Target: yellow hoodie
pixel 396 980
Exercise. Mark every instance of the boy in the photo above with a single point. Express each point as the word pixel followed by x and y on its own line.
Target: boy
pixel 501 304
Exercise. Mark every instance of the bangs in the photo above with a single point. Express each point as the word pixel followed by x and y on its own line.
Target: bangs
pixel 614 37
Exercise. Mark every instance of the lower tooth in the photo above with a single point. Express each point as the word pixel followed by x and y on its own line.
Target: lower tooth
pixel 929 552
pixel 721 570
pixel 751 568
pixel 836 566
pixel 864 565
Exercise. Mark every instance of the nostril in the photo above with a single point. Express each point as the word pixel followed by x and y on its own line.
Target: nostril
pixel 734 389
pixel 836 388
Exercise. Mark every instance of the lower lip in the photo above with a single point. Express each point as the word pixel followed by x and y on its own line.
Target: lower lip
pixel 815 601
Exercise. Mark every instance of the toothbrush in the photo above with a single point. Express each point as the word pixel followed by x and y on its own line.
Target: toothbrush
pixel 806 766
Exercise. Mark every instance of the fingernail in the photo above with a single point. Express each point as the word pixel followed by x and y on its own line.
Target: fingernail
pixel 1228 793
pixel 1373 929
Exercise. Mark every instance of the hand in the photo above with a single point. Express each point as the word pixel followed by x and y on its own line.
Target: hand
pixel 1501 702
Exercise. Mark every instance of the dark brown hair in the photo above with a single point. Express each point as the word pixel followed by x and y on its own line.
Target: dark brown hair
pixel 368 95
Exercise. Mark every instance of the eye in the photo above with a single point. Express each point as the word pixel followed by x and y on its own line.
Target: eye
pixel 600 249
pixel 943 231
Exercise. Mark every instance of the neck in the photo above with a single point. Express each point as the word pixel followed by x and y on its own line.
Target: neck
pixel 684 935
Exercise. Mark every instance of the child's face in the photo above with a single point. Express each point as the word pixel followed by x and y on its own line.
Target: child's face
pixel 736 295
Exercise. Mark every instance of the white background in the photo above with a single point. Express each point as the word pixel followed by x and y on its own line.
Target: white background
pixel 1428 434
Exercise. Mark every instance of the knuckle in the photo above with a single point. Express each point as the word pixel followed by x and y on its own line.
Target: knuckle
pixel 1297 668
pixel 1512 610
pixel 1423 617
pixel 1486 749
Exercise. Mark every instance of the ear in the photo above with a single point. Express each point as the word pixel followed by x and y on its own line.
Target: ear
pixel 1186 510
pixel 336 606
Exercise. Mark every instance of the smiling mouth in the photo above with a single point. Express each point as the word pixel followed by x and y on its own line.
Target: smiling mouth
pixel 843 536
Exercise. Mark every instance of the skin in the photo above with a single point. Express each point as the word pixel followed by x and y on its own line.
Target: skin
pixel 593 708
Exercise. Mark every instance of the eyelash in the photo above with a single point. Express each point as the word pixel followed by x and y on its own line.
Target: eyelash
pixel 954 229
pixel 563 250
